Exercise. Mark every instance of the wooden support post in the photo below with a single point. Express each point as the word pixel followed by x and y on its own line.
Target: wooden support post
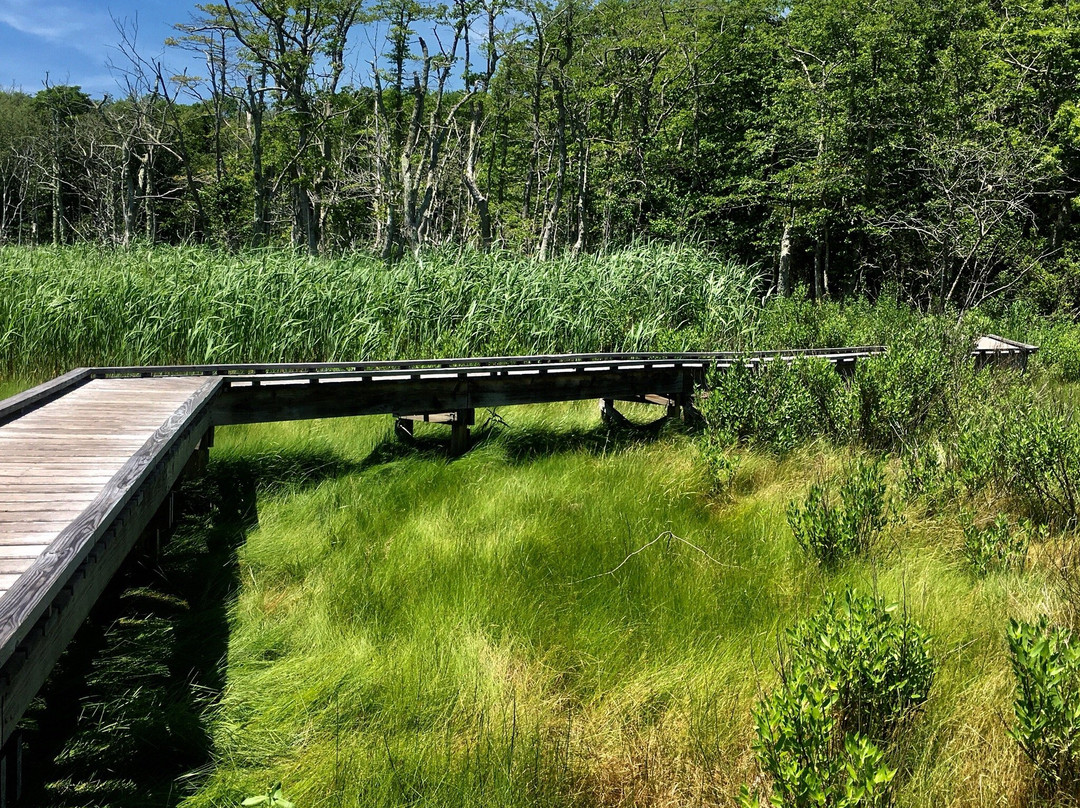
pixel 11 770
pixel 200 458
pixel 610 416
pixel 161 525
pixel 459 436
pixel 203 452
pixel 607 406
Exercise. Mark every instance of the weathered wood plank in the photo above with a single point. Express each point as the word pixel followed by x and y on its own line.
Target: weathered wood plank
pixel 27 597
pixel 90 554
pixel 22 550
pixel 12 513
pixel 26 401
pixel 12 495
pixel 28 538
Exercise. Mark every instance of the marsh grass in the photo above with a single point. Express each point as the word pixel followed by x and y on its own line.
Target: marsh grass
pixel 563 616
pixel 505 628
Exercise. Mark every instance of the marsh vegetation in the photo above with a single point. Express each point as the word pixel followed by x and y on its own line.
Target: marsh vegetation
pixel 573 613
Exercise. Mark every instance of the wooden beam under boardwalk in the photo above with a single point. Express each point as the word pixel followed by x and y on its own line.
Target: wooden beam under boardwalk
pixel 288 400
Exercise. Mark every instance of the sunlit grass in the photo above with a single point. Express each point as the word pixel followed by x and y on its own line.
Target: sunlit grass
pixel 499 630
pixel 560 617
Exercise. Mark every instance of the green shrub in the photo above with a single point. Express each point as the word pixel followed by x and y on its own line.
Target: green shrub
pixel 841 517
pixel 877 662
pixel 976 447
pixel 721 462
pixel 798 321
pixel 853 673
pixel 1060 351
pixel 1046 661
pixel 777 406
pixel 999 545
pixel 1040 460
pixel 927 477
pixel 798 747
pixel 912 389
pixel 1029 451
pixel 925 382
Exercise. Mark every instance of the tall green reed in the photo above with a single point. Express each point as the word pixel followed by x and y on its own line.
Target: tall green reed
pixel 66 307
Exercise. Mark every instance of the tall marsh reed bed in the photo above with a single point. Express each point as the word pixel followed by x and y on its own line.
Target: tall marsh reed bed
pixel 76 306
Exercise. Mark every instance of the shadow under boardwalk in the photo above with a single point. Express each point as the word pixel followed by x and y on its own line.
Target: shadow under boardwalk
pixel 123 720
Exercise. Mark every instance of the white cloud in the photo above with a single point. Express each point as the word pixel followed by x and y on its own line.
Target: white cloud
pixel 58 24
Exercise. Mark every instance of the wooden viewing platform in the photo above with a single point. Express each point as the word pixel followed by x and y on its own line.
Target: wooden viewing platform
pixel 88 461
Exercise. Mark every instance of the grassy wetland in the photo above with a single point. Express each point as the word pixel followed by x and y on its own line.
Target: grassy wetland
pixel 569 614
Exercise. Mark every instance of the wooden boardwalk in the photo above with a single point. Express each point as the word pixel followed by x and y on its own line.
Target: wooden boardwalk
pixel 88 460
pixel 57 461
pixel 82 474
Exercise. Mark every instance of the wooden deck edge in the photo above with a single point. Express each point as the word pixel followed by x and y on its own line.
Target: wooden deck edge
pixel 32 594
pixel 477 362
pixel 1021 347
pixel 24 674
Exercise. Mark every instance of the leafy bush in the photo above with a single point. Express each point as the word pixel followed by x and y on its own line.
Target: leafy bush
pixel 914 388
pixel 854 672
pixel 798 321
pixel 1061 352
pixel 976 447
pixel 1046 661
pixel 809 761
pixel 999 545
pixel 1029 451
pixel 1040 460
pixel 925 382
pixel 721 462
pixel 777 406
pixel 878 663
pixel 840 518
pixel 927 477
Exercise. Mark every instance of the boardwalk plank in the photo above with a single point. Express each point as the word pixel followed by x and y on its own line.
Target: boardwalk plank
pixel 29 593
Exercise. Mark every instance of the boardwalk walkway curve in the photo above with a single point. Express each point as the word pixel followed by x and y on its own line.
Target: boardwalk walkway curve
pixel 88 460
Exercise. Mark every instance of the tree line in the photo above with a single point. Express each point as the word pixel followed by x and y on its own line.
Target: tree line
pixel 931 145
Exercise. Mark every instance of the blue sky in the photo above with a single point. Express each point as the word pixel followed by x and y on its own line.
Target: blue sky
pixel 74 41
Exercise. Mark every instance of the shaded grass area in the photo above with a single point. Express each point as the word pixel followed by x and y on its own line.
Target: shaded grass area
pixel 123 718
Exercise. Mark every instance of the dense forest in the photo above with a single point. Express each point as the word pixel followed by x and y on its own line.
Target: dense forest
pixel 848 145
